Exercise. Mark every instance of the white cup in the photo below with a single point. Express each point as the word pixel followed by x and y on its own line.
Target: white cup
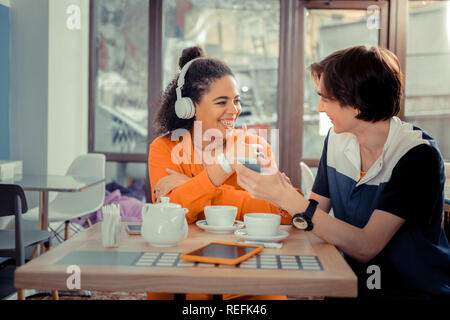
pixel 262 224
pixel 220 216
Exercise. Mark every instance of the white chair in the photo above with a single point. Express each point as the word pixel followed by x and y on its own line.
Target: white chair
pixel 71 205
pixel 446 215
pixel 447 170
pixel 307 178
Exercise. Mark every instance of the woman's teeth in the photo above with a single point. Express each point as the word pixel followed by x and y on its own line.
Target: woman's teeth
pixel 227 123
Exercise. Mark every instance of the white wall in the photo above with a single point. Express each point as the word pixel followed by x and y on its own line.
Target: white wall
pixel 29 86
pixel 68 72
pixel 49 86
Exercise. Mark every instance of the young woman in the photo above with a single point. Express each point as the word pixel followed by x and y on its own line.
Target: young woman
pixel 384 179
pixel 192 161
pixel 183 161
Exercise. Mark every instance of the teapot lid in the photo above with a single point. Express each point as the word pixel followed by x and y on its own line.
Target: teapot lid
pixel 165 202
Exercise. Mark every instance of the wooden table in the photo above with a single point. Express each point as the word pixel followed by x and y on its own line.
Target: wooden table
pixel 335 280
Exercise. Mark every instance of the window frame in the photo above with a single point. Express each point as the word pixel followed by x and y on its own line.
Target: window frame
pixel 114 156
pixel 292 58
pixel 394 15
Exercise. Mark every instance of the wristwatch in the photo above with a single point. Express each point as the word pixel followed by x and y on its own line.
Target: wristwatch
pixel 303 221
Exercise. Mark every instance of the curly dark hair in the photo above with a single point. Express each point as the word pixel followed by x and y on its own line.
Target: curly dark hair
pixel 198 79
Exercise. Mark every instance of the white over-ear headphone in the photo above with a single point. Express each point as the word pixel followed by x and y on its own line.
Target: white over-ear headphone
pixel 184 107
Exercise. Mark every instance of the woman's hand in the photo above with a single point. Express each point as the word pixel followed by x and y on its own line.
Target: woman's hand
pixel 239 147
pixel 170 182
pixel 272 186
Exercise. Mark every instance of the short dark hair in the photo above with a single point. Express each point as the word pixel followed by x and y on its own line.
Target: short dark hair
pixel 198 79
pixel 368 79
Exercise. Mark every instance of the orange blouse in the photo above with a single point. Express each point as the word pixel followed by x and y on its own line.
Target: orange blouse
pixel 200 191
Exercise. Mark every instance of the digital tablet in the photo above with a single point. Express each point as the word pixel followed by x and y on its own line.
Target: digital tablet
pixel 133 227
pixel 222 253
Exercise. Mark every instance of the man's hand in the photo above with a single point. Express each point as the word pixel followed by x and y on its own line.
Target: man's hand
pixel 273 186
pixel 241 147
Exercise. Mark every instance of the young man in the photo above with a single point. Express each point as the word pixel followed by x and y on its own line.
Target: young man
pixel 384 179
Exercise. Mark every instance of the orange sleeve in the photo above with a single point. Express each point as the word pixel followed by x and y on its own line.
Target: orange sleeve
pixel 232 194
pixel 193 195
pixel 200 191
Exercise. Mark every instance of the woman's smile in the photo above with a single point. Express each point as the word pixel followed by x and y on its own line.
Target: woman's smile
pixel 228 124
pixel 219 108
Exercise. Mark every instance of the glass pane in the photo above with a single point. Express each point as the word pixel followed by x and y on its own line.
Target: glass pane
pixel 427 91
pixel 244 34
pixel 120 85
pixel 327 31
pixel 128 177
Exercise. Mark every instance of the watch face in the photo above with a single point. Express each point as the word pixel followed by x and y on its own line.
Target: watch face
pixel 300 223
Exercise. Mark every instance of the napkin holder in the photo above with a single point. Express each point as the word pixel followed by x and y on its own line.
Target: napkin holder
pixel 111 226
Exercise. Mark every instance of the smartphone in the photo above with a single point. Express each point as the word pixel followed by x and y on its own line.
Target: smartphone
pixel 133 227
pixel 250 163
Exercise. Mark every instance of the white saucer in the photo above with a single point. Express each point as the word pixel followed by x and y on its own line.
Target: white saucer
pixel 282 234
pixel 285 227
pixel 219 230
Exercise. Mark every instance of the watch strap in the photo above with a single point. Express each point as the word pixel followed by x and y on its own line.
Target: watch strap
pixel 311 209
pixel 306 216
pixel 222 160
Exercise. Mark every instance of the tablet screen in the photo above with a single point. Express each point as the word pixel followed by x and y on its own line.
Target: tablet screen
pixel 215 250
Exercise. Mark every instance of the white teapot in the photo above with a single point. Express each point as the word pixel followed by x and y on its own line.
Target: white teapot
pixel 164 224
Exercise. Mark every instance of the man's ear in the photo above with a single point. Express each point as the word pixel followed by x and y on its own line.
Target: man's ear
pixel 356 111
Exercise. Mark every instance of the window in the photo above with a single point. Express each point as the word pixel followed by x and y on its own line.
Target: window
pixel 327 31
pixel 331 26
pixel 119 60
pixel 135 46
pixel 427 87
pixel 244 34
